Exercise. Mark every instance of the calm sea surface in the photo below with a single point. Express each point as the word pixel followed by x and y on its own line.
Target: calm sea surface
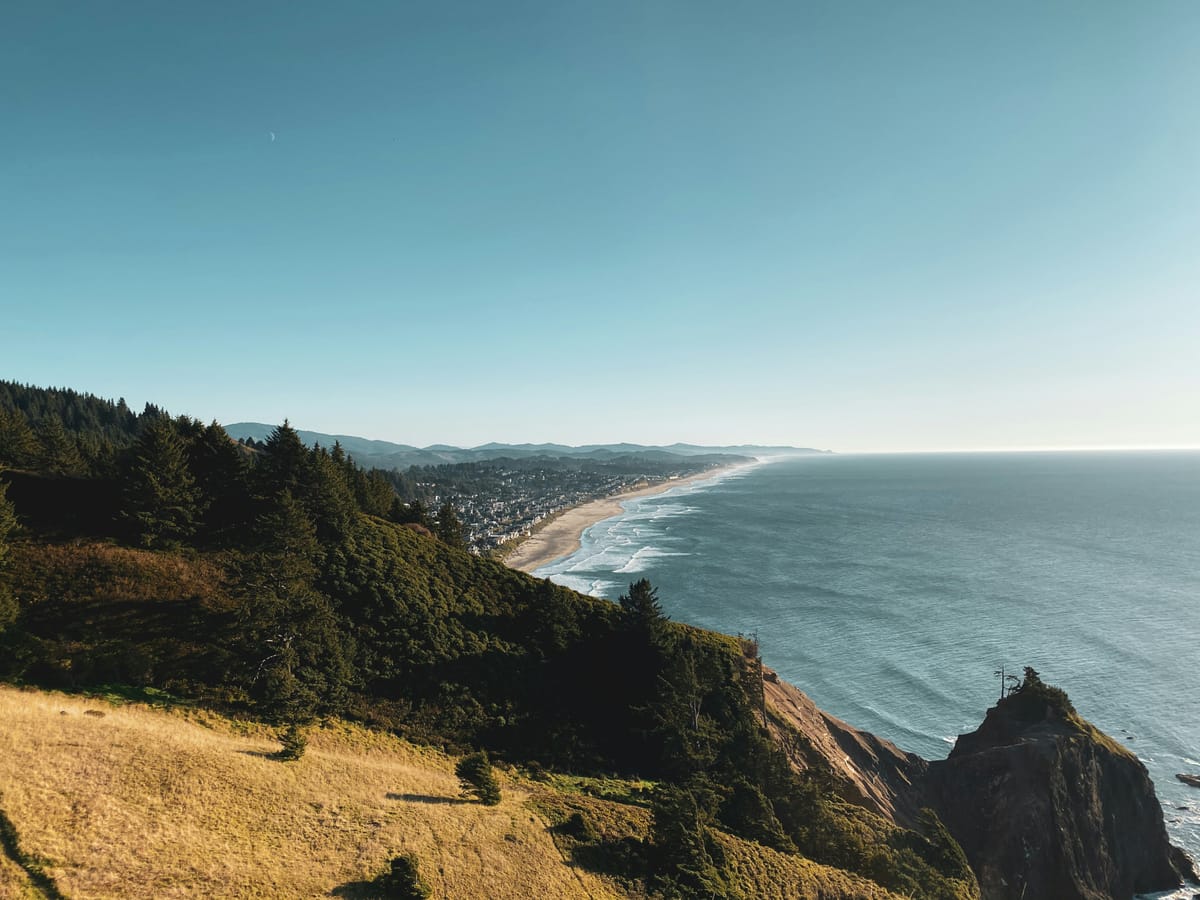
pixel 890 588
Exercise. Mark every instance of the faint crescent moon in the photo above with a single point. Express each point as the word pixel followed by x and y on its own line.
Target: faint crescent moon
pixel 272 134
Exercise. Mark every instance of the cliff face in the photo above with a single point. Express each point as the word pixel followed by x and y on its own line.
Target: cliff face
pixel 1046 806
pixel 866 770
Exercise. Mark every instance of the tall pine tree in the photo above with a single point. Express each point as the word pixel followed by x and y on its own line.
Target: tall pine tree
pixel 642 612
pixel 296 657
pixel 59 454
pixel 219 467
pixel 449 529
pixel 285 464
pixel 161 500
pixel 329 500
pixel 18 445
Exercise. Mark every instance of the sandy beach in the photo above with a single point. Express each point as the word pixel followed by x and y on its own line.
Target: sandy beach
pixel 560 536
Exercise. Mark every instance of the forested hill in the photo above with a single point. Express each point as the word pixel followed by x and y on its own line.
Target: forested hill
pixel 278 584
pixel 64 431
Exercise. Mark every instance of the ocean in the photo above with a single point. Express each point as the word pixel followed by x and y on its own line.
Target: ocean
pixel 891 588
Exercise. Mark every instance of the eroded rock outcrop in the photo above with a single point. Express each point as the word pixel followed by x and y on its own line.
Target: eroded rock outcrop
pixel 1047 807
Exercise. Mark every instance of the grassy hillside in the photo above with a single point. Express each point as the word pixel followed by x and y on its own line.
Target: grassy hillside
pixel 130 801
pixel 146 803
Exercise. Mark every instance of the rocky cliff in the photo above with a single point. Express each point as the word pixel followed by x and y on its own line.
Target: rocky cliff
pixel 1045 806
pixel 863 769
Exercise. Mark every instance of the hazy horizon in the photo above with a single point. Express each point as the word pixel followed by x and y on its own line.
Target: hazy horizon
pixel 864 228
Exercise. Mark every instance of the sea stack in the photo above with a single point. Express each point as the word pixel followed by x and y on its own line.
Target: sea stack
pixel 1047 807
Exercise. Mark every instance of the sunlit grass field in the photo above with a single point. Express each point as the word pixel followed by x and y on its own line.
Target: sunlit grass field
pixel 139 802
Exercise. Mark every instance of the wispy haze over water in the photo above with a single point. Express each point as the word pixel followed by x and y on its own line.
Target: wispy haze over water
pixel 891 587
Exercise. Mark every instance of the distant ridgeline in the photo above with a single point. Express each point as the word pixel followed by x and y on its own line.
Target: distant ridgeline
pixel 281 582
pixel 387 455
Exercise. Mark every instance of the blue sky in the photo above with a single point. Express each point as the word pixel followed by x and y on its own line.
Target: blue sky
pixel 863 226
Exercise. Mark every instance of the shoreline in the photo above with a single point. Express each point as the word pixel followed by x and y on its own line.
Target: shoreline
pixel 562 534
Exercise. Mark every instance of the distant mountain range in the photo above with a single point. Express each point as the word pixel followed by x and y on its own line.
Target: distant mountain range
pixel 386 455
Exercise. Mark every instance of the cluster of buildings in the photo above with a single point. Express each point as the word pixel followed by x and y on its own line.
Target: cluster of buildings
pixel 527 498
pixel 505 503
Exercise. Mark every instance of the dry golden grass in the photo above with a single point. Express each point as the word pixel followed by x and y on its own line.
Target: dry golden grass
pixel 13 883
pixel 146 803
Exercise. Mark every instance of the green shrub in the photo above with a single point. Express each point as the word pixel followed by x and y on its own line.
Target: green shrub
pixel 580 828
pixel 477 778
pixel 403 880
pixel 294 742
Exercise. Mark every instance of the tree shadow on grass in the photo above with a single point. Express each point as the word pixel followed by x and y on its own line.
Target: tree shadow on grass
pixel 32 865
pixel 358 890
pixel 261 754
pixel 426 798
pixel 624 858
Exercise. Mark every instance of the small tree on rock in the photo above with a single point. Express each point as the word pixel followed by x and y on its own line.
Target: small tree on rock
pixel 477 778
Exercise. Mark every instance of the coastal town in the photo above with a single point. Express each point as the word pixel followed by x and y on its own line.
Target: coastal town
pixel 501 502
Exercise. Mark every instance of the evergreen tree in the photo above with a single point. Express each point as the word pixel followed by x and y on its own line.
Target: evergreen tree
pixel 8 524
pixel 292 743
pixel 99 455
pixel 412 513
pixel 477 778
pixel 161 500
pixel 80 414
pixel 329 498
pixel 688 863
pixel 59 453
pixel 284 538
pixel 220 470
pixel 397 511
pixel 296 655
pixel 688 740
pixel 284 464
pixel 18 445
pixel 640 609
pixel 449 529
pixel 402 880
pixel 375 494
